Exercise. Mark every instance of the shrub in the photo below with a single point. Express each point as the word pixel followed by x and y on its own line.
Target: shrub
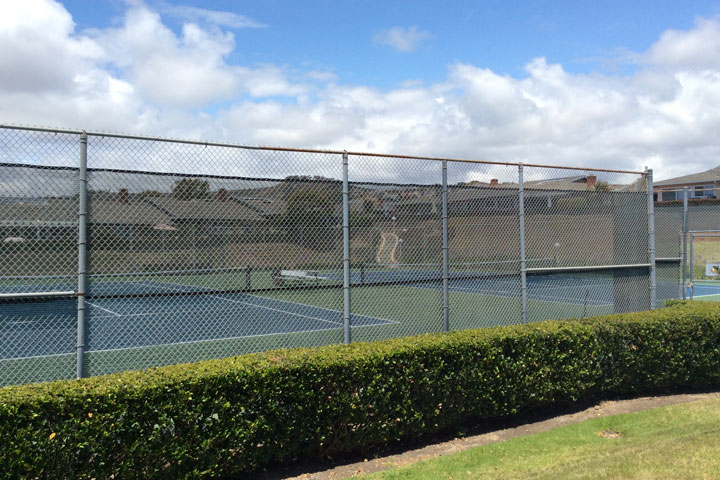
pixel 223 417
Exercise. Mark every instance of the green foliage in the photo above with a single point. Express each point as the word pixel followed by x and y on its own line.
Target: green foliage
pixel 224 417
pixel 191 189
pixel 672 302
pixel 572 203
pixel 602 187
pixel 150 194
pixel 312 218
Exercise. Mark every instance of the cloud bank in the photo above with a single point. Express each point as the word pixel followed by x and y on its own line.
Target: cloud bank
pixel 142 77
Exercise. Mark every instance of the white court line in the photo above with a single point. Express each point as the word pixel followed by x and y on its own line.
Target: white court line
pixel 261 306
pixel 291 303
pixel 275 310
pixel 33 357
pixel 105 309
pixel 319 308
pixel 212 340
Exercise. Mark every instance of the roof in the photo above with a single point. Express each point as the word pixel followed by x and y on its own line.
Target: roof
pixel 271 200
pixel 204 209
pixel 264 205
pixel 707 176
pixel 132 212
pixel 40 211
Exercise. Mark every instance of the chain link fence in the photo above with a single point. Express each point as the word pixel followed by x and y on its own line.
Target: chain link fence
pixel 122 252
pixel 688 243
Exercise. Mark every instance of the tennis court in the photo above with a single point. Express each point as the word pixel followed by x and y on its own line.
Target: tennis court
pixel 121 323
pixel 144 310
pixel 227 249
pixel 704 291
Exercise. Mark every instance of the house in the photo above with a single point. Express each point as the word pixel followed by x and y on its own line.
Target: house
pixel 473 198
pixel 700 186
pixel 38 219
pixel 120 221
pixel 216 216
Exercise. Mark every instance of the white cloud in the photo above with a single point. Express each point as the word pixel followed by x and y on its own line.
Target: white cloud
pixel 694 49
pixel 38 52
pixel 214 17
pixel 180 71
pixel 402 39
pixel 140 76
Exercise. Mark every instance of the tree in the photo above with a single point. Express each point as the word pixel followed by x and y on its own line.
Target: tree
pixel 602 187
pixel 191 188
pixel 310 218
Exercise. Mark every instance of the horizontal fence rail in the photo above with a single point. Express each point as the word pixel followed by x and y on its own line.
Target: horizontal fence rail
pixel 122 252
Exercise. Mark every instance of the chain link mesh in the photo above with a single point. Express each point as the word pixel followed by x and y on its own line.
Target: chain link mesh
pixel 594 229
pixel 674 248
pixel 38 251
pixel 199 251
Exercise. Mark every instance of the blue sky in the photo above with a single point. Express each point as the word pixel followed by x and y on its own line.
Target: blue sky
pixel 584 36
pixel 593 83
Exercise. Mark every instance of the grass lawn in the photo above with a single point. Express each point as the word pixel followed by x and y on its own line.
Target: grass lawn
pixel 679 441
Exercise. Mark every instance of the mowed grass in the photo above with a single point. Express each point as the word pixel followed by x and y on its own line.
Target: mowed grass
pixel 679 441
pixel 705 250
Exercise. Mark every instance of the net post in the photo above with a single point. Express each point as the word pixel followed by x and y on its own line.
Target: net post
pixel 445 256
pixel 346 250
pixel 651 239
pixel 692 267
pixel 523 260
pixel 82 257
pixel 684 242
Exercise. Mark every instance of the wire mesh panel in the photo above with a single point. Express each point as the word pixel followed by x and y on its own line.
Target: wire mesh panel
pixel 199 263
pixel 704 216
pixel 704 265
pixel 669 248
pixel 484 245
pixel 38 247
pixel 395 247
pixel 198 251
pixel 594 228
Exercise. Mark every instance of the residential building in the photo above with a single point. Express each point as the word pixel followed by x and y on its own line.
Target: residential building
pixel 700 185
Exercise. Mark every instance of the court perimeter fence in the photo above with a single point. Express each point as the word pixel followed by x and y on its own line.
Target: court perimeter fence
pixel 121 252
pixel 692 220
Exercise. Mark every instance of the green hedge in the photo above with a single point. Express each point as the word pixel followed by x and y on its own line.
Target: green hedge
pixel 219 418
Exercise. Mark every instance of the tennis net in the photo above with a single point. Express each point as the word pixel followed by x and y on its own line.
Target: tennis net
pixel 134 284
pixel 393 273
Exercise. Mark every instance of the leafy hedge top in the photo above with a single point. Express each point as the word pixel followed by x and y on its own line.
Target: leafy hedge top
pixel 224 417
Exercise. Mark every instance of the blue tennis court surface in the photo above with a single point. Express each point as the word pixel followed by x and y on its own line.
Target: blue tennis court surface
pixel 703 290
pixel 552 288
pixel 140 322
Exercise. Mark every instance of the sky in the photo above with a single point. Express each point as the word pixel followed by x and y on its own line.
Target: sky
pixel 608 84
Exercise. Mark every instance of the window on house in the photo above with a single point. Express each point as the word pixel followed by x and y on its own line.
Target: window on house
pixel 703 191
pixel 668 195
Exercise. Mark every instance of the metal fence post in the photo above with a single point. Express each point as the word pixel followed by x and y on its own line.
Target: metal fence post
pixel 445 256
pixel 684 242
pixel 692 267
pixel 82 257
pixel 523 262
pixel 651 239
pixel 346 250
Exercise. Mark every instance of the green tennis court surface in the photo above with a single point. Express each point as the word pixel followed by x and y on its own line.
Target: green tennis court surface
pixel 186 323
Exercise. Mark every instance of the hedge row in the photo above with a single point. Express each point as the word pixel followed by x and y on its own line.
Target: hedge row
pixel 223 417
